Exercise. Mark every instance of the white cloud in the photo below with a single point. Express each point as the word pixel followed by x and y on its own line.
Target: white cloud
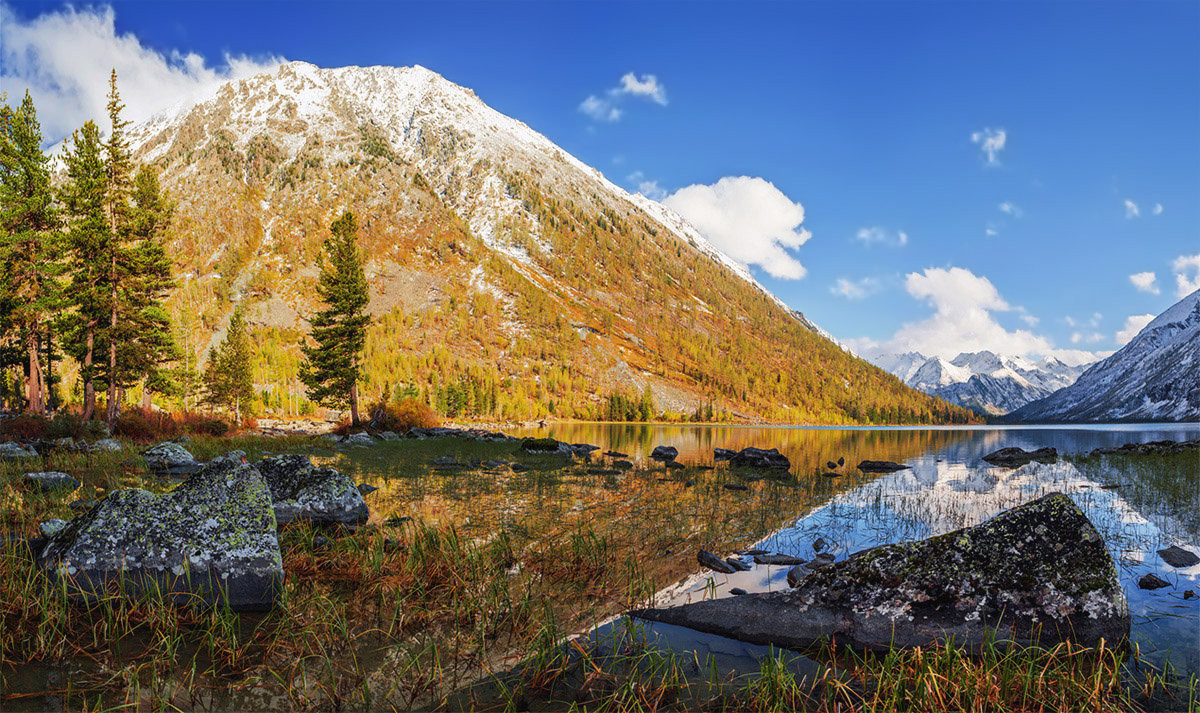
pixel 881 236
pixel 1092 338
pixel 855 289
pixel 1187 274
pixel 963 318
pixel 748 219
pixel 606 107
pixel 1133 324
pixel 1011 209
pixel 991 231
pixel 1131 209
pixel 64 58
pixel 1145 282
pixel 1030 320
pixel 991 142
pixel 1158 209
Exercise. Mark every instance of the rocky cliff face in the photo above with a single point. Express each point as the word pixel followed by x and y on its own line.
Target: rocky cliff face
pixel 506 275
pixel 1155 377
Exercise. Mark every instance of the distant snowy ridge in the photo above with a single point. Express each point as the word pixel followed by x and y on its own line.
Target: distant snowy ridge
pixel 1155 377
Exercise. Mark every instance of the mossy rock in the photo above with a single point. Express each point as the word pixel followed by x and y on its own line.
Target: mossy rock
pixel 1037 573
pixel 539 445
pixel 301 491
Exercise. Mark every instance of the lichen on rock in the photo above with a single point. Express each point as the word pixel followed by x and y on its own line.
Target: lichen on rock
pixel 1038 572
pixel 302 491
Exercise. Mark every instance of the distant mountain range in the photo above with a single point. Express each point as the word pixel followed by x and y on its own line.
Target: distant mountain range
pixel 1155 377
pixel 982 381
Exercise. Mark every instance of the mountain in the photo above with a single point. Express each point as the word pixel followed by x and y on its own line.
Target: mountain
pixel 508 279
pixel 981 381
pixel 1155 377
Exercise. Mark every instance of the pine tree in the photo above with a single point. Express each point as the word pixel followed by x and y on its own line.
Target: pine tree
pixel 29 242
pixel 145 341
pixel 227 377
pixel 88 240
pixel 331 367
pixel 117 190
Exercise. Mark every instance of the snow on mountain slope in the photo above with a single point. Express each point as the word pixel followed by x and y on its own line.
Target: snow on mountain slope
pixel 982 381
pixel 1155 377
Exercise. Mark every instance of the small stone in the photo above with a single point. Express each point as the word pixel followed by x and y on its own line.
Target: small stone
pixel 760 458
pixel 738 591
pixel 820 544
pixel 880 466
pixel 735 486
pixel 796 574
pixel 737 564
pixel 362 438
pixel 50 528
pixel 1178 557
pixel 1189 594
pixel 673 465
pixel 50 481
pixel 831 475
pixel 713 562
pixel 388 436
pixel 1152 582
pixel 302 491
pixel 778 559
pixel 622 465
pixel 366 488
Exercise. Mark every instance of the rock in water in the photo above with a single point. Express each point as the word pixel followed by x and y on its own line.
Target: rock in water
pixel 302 491
pixel 713 562
pixel 170 458
pixel 760 458
pixel 880 466
pixel 720 454
pixel 1015 457
pixel 664 453
pixel 1041 565
pixel 1178 557
pixel 213 536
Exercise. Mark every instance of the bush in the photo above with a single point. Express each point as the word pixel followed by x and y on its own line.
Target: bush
pixel 24 427
pixel 408 414
pixel 190 422
pixel 72 425
pixel 145 425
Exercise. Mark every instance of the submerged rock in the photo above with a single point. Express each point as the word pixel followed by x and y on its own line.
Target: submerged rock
pixel 170 458
pixel 720 454
pixel 778 559
pixel 1015 457
pixel 760 458
pixel 713 562
pixel 1039 571
pixel 1152 582
pixel 664 453
pixel 52 480
pixel 880 466
pixel 1178 557
pixel 212 537
pixel 302 491
pixel 1151 448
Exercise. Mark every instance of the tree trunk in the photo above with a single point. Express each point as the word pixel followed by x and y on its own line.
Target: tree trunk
pixel 112 345
pixel 354 398
pixel 237 410
pixel 146 397
pixel 89 382
pixel 33 381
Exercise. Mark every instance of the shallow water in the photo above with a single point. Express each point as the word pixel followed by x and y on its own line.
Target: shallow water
pixel 1145 507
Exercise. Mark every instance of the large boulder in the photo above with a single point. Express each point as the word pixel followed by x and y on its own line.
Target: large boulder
pixel 212 537
pixel 302 491
pixel 170 458
pixel 760 458
pixel 1016 457
pixel 1037 572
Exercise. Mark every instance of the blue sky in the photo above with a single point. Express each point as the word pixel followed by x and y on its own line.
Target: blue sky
pixel 862 113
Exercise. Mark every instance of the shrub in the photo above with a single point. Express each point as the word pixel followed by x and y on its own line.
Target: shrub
pixel 71 425
pixel 24 427
pixel 407 414
pixel 191 422
pixel 142 425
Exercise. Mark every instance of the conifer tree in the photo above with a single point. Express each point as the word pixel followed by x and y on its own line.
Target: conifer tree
pixel 88 240
pixel 145 341
pixel 29 242
pixel 227 377
pixel 331 367
pixel 117 191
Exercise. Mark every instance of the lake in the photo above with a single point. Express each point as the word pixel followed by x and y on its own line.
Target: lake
pixel 1138 504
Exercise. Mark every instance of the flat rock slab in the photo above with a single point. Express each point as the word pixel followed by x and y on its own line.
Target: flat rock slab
pixel 880 466
pixel 169 457
pixel 1039 571
pixel 50 481
pixel 713 562
pixel 212 537
pixel 1178 557
pixel 778 559
pixel 1016 457
pixel 760 458
pixel 302 491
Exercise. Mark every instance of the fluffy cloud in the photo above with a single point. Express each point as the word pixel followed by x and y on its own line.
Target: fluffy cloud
pixel 1145 282
pixel 606 106
pixel 1133 324
pixel 855 289
pixel 1158 209
pixel 64 58
pixel 1011 209
pixel 1187 274
pixel 991 142
pixel 1131 209
pixel 748 219
pixel 1092 338
pixel 963 319
pixel 881 236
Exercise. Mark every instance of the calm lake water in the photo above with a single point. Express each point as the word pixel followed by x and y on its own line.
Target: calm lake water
pixel 1138 504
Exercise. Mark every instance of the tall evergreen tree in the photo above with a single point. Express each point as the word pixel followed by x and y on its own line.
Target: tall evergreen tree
pixel 118 167
pixel 89 240
pixel 331 367
pixel 29 242
pixel 145 339
pixel 227 377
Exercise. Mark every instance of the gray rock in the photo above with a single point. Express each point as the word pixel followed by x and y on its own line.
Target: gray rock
pixel 366 488
pixel 170 458
pixel 301 491
pixel 106 444
pixel 1015 457
pixel 362 438
pixel 664 453
pixel 796 575
pixel 1041 566
pixel 80 505
pixel 389 436
pixel 737 564
pixel 212 537
pixel 1178 557
pixel 720 454
pixel 880 466
pixel 760 458
pixel 583 449
pixel 8 449
pixel 778 559
pixel 1152 581
pixel 51 480
pixel 446 460
pixel 50 528
pixel 231 456
pixel 713 562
